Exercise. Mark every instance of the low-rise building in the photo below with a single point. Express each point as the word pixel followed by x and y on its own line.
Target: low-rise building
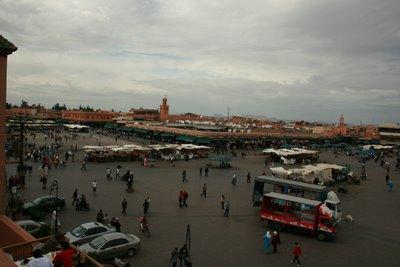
pixel 88 116
pixel 390 132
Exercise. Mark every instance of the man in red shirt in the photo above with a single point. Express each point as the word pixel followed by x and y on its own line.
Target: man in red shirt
pixel 65 257
pixel 296 253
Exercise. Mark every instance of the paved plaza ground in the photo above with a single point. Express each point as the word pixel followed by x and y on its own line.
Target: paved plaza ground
pixel 373 239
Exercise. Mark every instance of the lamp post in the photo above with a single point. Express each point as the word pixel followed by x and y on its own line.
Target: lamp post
pixel 188 239
pixel 54 187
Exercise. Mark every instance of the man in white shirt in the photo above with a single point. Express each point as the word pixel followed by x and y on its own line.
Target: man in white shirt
pixel 117 173
pixel 39 260
pixel 94 185
pixel 108 174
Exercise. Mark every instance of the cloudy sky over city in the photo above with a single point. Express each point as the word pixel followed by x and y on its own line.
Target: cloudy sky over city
pixel 292 59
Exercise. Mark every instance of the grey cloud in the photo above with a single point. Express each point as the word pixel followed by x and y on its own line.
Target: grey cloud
pixel 286 59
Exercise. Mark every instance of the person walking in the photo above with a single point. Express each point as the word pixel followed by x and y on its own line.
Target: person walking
pixel 94 185
pixel 390 185
pixel 117 171
pixel 183 255
pixel 387 167
pixel 201 171
pixel 108 174
pixel 275 241
pixel 74 196
pixel 180 199
pixel 100 216
pixel 124 205
pixel 174 257
pixel 184 176
pixel 44 182
pixel 227 208
pixel 234 179
pixel 185 196
pixel 206 171
pixel 146 205
pixel 248 177
pixel 222 200
pixel 117 225
pixel 296 254
pixel 204 194
pixel 83 166
pixel 267 242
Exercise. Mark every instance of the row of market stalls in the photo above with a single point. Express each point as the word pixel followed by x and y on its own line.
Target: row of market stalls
pixel 323 173
pixel 162 136
pixel 136 152
pixel 367 152
pixel 291 155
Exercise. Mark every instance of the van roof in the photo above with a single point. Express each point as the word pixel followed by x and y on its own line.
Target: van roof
pixel 297 184
pixel 293 199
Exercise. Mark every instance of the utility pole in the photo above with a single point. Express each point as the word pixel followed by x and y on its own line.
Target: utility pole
pixel 229 109
pixel 188 241
pixel 54 187
pixel 20 167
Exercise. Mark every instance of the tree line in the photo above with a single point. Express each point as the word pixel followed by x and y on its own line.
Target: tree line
pixel 56 107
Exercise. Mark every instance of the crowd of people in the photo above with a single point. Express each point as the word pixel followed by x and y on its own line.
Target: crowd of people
pixel 49 157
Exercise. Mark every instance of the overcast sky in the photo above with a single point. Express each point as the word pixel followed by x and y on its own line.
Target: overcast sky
pixel 288 59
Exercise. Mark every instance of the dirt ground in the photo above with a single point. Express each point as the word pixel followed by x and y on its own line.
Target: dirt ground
pixel 373 239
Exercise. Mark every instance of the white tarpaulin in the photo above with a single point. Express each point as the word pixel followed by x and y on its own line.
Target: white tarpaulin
pixel 376 147
pixel 308 172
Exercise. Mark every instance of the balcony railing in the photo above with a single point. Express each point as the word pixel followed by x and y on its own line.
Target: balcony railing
pixel 24 250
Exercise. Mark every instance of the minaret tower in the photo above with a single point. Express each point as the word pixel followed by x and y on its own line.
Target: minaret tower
pixel 164 109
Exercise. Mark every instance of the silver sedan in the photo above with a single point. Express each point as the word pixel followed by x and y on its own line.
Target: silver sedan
pixel 112 245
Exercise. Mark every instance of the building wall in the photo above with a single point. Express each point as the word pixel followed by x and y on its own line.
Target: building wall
pixel 3 86
pixel 88 116
pixel 28 112
pixel 143 114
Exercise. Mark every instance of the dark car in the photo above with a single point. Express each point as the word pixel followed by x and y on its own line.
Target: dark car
pixel 43 204
pixel 36 229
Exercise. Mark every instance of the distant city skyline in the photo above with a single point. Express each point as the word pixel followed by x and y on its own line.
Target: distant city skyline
pixel 290 60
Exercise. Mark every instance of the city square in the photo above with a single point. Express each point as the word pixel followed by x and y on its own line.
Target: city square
pixel 199 133
pixel 215 239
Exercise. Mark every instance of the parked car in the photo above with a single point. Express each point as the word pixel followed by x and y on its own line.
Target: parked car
pixel 87 232
pixel 32 227
pixel 43 204
pixel 112 245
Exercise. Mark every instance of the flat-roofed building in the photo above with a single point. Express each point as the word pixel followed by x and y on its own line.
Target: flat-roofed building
pixel 390 132
pixel 88 116
pixel 11 234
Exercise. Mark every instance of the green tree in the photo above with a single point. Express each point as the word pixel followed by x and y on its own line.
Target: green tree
pixel 24 104
pixel 58 107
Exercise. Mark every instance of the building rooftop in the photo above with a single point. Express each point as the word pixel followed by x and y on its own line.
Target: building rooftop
pixel 390 126
pixel 6 48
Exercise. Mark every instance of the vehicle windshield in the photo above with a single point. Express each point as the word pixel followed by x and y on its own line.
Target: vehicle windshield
pixel 331 206
pixel 98 242
pixel 37 200
pixel 78 231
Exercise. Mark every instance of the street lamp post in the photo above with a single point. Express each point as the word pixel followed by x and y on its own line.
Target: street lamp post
pixel 54 187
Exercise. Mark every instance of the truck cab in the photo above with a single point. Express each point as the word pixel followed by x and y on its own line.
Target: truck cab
pixel 333 203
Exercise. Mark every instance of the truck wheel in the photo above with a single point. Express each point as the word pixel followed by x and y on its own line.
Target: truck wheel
pixel 321 236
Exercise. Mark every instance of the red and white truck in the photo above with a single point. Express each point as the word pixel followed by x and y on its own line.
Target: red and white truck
pixel 286 211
